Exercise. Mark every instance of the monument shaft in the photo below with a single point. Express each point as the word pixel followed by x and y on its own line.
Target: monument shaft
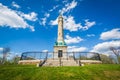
pixel 60 29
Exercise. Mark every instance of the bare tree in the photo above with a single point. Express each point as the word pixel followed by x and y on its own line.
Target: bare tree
pixel 116 51
pixel 106 59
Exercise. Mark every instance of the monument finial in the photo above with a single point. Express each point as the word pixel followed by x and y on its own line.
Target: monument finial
pixel 60 14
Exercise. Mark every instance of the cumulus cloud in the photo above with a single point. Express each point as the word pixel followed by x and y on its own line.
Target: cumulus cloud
pixel 68 7
pixel 14 4
pixel 71 40
pixel 32 28
pixel 31 16
pixel 88 24
pixel 43 20
pixel 112 34
pixel 54 22
pixel 104 47
pixel 76 49
pixel 47 15
pixel 71 25
pixel 12 19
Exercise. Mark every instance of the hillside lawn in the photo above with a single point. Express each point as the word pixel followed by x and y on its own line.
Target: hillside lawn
pixel 87 72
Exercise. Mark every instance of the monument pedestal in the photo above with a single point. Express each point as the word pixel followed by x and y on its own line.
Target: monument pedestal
pixel 57 48
pixel 63 50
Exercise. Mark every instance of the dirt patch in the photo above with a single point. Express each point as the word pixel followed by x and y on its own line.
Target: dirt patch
pixel 112 73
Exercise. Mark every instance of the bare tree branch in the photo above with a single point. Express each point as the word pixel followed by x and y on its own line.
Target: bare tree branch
pixel 116 51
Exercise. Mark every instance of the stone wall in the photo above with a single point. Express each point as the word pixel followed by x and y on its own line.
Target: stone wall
pixel 56 62
pixel 29 62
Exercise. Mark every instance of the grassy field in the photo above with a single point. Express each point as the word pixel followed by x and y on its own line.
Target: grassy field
pixel 87 72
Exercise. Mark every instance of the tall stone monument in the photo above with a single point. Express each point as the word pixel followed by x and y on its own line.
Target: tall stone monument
pixel 60 57
pixel 60 45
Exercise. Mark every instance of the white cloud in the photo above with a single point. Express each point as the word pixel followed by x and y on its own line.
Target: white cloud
pixel 14 4
pixel 71 25
pixel 10 18
pixel 112 34
pixel 68 7
pixel 69 22
pixel 43 20
pixel 47 15
pixel 1 49
pixel 90 35
pixel 54 7
pixel 45 50
pixel 76 49
pixel 32 28
pixel 88 24
pixel 104 47
pixel 54 22
pixel 70 40
pixel 31 16
pixel 65 1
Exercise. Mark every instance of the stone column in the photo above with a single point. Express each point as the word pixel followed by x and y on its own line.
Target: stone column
pixel 60 29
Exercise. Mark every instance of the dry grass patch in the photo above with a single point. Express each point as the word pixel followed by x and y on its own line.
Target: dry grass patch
pixel 112 73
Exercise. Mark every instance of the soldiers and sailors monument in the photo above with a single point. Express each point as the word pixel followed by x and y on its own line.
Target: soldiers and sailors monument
pixel 60 45
pixel 60 55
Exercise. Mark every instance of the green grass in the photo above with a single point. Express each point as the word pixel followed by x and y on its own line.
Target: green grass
pixel 87 72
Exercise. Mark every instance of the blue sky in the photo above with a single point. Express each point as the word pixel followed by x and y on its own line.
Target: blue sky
pixel 31 25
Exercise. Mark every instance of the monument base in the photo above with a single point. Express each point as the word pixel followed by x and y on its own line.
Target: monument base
pixel 57 48
pixel 60 49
